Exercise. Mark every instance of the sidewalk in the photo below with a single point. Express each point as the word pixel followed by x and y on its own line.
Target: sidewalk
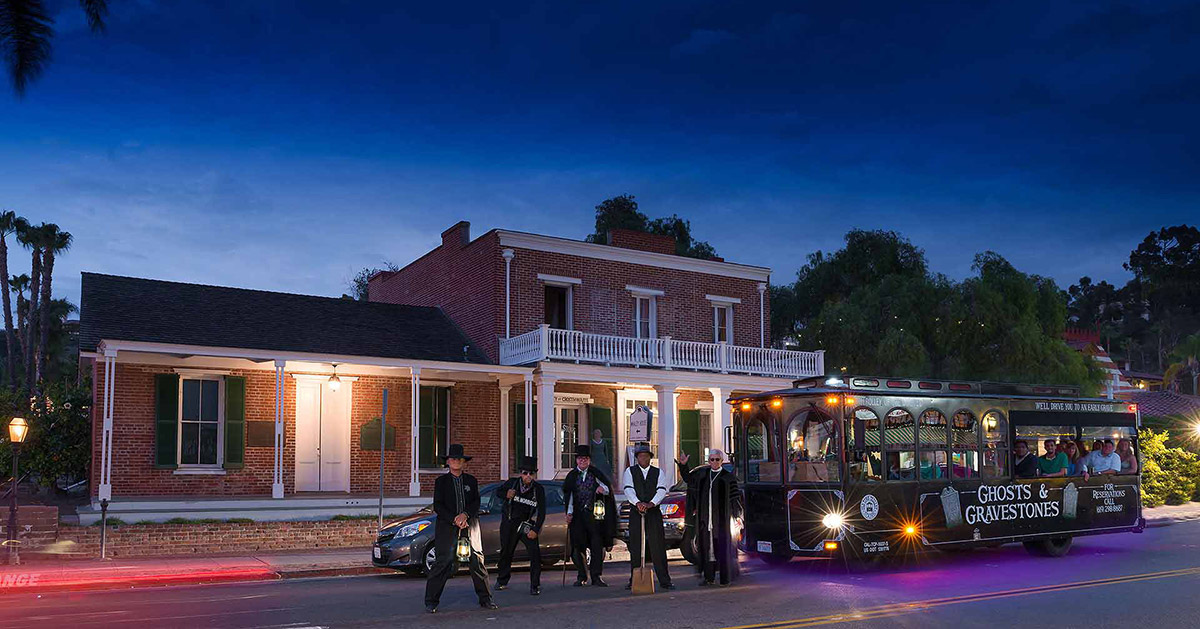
pixel 1167 515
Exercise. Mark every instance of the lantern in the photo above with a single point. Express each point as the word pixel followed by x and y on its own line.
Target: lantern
pixel 598 509
pixel 463 550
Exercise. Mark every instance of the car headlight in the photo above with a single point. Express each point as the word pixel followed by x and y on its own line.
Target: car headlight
pixel 832 520
pixel 668 509
pixel 408 530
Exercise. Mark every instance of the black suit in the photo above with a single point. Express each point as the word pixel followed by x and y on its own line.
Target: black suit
pixel 518 512
pixel 446 507
pixel 585 532
pixel 719 496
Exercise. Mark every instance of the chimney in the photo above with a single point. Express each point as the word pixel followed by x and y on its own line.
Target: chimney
pixel 641 241
pixel 457 236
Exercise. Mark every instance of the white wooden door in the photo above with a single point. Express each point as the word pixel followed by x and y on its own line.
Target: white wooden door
pixel 308 435
pixel 322 436
pixel 335 438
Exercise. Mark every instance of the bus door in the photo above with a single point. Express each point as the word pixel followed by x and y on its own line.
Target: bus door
pixel 813 477
pixel 759 468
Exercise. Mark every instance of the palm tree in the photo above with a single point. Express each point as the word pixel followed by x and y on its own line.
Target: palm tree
pixel 8 224
pixel 54 242
pixel 30 237
pixel 19 284
pixel 26 29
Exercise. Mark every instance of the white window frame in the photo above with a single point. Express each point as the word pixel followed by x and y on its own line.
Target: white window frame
pixel 179 421
pixel 728 310
pixel 568 283
pixel 652 324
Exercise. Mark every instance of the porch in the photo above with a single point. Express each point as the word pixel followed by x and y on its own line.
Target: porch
pixel 546 343
pixel 262 508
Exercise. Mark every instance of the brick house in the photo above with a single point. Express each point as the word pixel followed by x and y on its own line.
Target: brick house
pixel 213 401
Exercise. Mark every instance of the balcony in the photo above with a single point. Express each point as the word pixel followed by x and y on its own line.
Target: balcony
pixel 546 343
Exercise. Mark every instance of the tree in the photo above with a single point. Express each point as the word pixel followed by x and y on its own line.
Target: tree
pixel 26 30
pixel 31 238
pixel 359 284
pixel 621 212
pixel 8 224
pixel 54 242
pixel 19 284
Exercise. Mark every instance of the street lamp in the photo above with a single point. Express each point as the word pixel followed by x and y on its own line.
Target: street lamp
pixel 17 430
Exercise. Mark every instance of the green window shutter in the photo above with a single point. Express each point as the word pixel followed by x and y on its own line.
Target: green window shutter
pixel 235 422
pixel 689 435
pixel 518 426
pixel 166 420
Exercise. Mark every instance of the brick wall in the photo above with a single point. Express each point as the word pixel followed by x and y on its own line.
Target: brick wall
pixel 36 525
pixel 467 282
pixel 474 422
pixel 147 540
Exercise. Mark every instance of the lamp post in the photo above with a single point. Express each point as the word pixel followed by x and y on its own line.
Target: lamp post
pixel 17 429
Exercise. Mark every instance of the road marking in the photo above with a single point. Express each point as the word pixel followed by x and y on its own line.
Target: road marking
pixel 896 609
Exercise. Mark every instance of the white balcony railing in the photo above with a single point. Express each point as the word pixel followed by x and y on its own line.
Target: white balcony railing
pixel 546 343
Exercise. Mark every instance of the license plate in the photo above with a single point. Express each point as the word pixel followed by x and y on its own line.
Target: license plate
pixel 764 547
pixel 378 552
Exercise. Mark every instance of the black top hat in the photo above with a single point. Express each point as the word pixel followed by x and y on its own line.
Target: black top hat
pixel 456 452
pixel 642 447
pixel 583 451
pixel 527 463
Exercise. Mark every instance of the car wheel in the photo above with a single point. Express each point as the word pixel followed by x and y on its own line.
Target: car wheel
pixel 689 547
pixel 430 559
pixel 1053 547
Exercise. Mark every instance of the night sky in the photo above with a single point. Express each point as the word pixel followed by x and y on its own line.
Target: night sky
pixel 284 148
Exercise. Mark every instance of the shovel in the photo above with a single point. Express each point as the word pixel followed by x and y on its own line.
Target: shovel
pixel 643 577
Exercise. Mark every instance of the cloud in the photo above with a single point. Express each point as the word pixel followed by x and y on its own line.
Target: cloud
pixel 700 41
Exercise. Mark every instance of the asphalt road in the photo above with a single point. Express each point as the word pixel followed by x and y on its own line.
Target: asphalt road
pixel 1126 580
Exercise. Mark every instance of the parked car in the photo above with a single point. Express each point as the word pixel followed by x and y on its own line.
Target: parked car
pixel 407 544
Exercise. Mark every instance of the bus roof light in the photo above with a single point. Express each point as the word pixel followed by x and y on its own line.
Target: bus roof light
pixel 745 406
pixel 850 400
pixel 777 403
pixel 831 400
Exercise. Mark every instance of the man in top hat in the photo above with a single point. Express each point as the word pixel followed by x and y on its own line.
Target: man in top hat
pixel 583 486
pixel 524 513
pixel 645 487
pixel 713 501
pixel 456 504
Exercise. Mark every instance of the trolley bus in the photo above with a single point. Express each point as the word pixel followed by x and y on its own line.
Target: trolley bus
pixel 883 467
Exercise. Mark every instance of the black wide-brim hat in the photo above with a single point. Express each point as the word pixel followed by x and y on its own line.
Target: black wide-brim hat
pixel 583 451
pixel 642 447
pixel 456 452
pixel 527 463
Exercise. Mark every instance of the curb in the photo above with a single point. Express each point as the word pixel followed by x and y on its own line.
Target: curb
pixel 150 580
pixel 333 572
pixel 1161 522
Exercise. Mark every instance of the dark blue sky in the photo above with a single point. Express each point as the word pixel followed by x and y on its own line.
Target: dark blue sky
pixel 285 145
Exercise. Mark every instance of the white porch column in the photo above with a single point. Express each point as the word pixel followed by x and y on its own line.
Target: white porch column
pixel 508 255
pixel 545 428
pixel 722 417
pixel 668 423
pixel 414 485
pixel 528 427
pixel 504 430
pixel 762 314
pixel 106 438
pixel 277 479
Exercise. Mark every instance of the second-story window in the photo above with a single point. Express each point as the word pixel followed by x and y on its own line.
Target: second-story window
pixel 723 323
pixel 645 317
pixel 558 306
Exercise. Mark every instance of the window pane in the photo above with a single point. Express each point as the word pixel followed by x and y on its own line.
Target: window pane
pixel 189 449
pixel 209 400
pixel 812 448
pixel 965 464
pixel 933 464
pixel 964 431
pixel 556 307
pixel 898 429
pixel 191 399
pixel 866 463
pixel 902 465
pixel 761 454
pixel 933 429
pixel 208 443
pixel 995 446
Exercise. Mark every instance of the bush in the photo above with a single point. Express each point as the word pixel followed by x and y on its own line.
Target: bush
pixel 1169 475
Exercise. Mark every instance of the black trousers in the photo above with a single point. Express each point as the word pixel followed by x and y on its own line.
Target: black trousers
pixel 510 537
pixel 445 565
pixel 714 560
pixel 587 535
pixel 653 541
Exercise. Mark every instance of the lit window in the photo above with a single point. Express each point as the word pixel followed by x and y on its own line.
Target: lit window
pixel 723 324
pixel 645 317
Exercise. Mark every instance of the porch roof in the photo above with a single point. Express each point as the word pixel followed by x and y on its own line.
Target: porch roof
pixel 156 311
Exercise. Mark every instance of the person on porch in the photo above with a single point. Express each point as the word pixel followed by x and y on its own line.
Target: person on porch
pixel 524 513
pixel 600 457
pixel 713 503
pixel 645 487
pixel 456 503
pixel 584 485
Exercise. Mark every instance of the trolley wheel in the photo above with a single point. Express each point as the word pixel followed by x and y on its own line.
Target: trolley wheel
pixel 689 548
pixel 1053 547
pixel 771 559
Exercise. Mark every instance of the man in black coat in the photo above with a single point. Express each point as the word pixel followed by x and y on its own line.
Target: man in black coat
pixel 713 501
pixel 456 504
pixel 583 487
pixel 524 513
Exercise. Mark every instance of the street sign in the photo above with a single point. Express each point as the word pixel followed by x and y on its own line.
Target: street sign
pixel 640 423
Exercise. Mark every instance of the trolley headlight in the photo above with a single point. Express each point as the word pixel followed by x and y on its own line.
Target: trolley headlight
pixel 832 520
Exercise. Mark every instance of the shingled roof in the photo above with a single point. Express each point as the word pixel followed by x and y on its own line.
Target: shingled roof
pixel 1165 403
pixel 155 311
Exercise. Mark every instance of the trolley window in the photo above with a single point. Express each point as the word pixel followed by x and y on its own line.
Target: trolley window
pixel 995 445
pixel 964 445
pixel 900 455
pixel 932 446
pixel 866 464
pixel 762 456
pixel 812 443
